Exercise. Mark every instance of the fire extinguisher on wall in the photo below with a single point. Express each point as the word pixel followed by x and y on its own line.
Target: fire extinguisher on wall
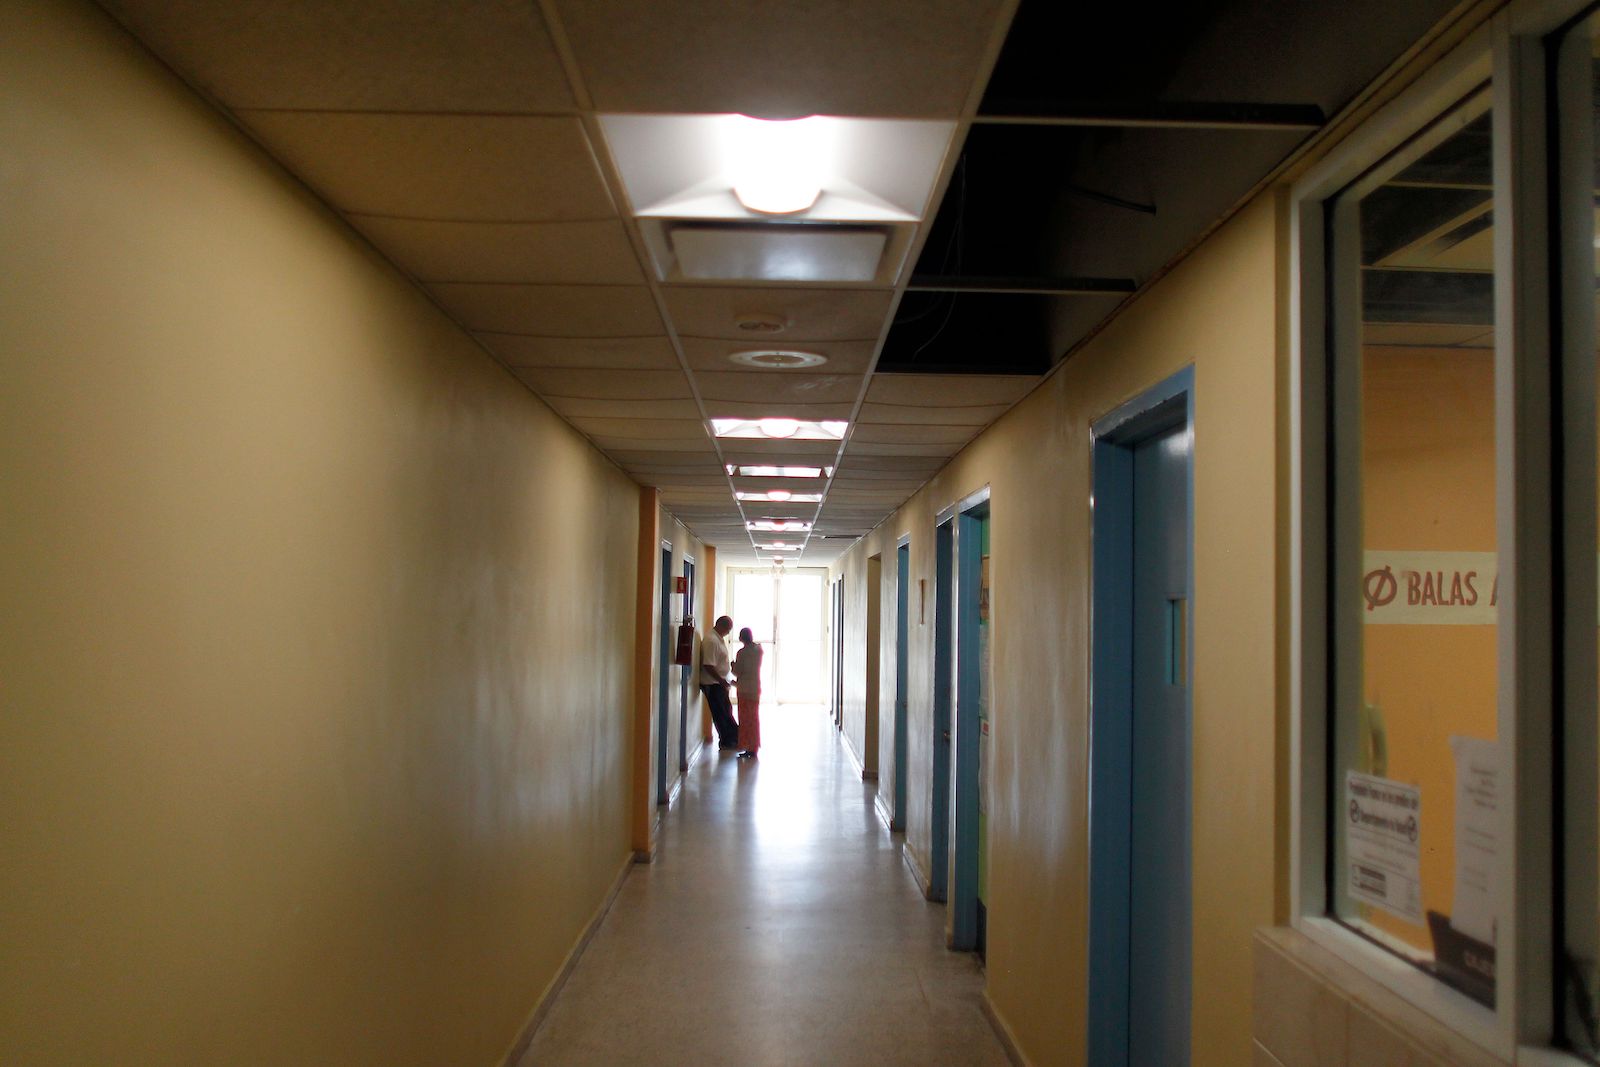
pixel 684 654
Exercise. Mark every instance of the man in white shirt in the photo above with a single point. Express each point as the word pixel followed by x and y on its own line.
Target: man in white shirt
pixel 714 669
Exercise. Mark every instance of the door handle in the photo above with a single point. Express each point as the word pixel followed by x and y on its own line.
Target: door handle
pixel 947 737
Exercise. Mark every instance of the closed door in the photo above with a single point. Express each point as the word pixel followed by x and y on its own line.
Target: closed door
pixel 901 705
pixel 664 674
pixel 683 703
pixel 1159 899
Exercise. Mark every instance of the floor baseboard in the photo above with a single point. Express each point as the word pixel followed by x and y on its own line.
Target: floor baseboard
pixel 918 875
pixel 548 997
pixel 1008 1040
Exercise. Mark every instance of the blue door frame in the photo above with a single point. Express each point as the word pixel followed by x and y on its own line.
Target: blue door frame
pixel 901 703
pixel 663 679
pixel 943 661
pixel 966 681
pixel 1117 1033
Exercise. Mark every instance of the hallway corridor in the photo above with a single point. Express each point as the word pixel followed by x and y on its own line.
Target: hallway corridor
pixel 777 925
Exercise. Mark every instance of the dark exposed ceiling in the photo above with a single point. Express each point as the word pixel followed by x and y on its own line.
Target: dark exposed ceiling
pixel 1109 138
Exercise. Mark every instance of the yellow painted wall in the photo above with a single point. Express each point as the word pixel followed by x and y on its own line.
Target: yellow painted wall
pixel 317 627
pixel 1216 311
pixel 684 544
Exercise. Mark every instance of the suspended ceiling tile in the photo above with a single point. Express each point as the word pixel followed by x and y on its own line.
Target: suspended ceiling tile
pixel 907 434
pixel 804 314
pixel 596 253
pixel 839 495
pixel 753 450
pixel 674 435
pixel 485 168
pixel 908 448
pixel 760 510
pixel 959 390
pixel 551 310
pixel 573 407
pixel 843 357
pixel 622 353
pixel 646 459
pixel 609 443
pixel 889 58
pixel 792 485
pixel 649 476
pixel 777 385
pixel 855 465
pixel 357 55
pixel 975 416
pixel 608 384
pixel 777 408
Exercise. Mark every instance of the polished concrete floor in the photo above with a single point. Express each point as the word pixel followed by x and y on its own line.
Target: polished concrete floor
pixel 777 925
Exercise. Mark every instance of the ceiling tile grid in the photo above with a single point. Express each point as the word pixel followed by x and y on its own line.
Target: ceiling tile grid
pixel 467 143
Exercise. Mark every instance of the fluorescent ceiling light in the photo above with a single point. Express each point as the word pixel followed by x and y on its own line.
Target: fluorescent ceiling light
pixel 783 429
pixel 776 546
pixel 777 472
pixel 822 168
pixel 782 496
pixel 777 167
pixel 779 525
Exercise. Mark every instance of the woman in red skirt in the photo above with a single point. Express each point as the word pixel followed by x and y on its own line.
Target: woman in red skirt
pixel 747 676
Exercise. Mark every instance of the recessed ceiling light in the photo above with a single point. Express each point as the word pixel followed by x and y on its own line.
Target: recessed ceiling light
pixel 779 545
pixel 778 494
pixel 788 429
pixel 778 358
pixel 775 472
pixel 777 166
pixel 779 525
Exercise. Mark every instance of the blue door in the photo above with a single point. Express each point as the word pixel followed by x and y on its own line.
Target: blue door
pixel 1139 817
pixel 688 672
pixel 1159 906
pixel 664 674
pixel 943 660
pixel 967 918
pixel 901 635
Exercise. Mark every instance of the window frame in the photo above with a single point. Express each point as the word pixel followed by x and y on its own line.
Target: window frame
pixel 1509 54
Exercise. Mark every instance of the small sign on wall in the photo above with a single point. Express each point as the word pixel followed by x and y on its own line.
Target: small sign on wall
pixel 681 583
pixel 1430 588
pixel 1383 856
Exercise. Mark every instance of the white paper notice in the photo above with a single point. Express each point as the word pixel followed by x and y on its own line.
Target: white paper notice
pixel 1478 883
pixel 1381 848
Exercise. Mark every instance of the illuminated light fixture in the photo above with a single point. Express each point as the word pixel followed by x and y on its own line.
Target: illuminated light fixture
pixel 781 496
pixel 777 546
pixel 776 472
pixel 785 429
pixel 779 525
pixel 778 358
pixel 777 166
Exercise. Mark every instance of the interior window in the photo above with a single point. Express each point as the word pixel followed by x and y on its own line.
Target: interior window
pixel 1416 768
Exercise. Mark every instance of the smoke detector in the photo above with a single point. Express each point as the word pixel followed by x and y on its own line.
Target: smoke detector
pixel 778 358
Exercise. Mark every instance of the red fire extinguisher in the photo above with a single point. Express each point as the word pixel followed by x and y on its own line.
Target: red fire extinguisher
pixel 684 654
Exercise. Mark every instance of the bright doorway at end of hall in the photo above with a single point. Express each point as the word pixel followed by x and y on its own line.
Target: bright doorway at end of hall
pixel 785 611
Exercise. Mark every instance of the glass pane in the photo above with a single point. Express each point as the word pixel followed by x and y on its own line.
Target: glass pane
pixel 1415 863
